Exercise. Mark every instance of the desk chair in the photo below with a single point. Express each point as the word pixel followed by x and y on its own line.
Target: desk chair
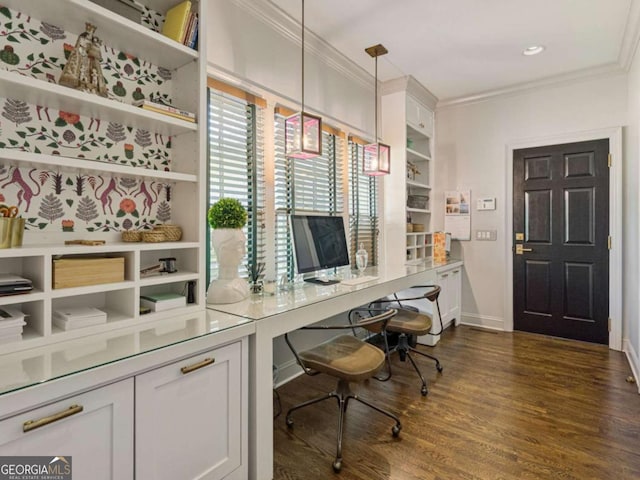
pixel 409 324
pixel 348 359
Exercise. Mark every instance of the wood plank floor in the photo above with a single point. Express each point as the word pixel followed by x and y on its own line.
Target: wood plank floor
pixel 507 406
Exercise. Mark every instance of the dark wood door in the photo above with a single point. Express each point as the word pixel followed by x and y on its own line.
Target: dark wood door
pixel 561 222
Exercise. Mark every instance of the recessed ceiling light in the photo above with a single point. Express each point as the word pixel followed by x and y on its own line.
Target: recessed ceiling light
pixel 533 50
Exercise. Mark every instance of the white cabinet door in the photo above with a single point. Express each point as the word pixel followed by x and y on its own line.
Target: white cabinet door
pixel 419 117
pixel 95 429
pixel 450 282
pixel 454 285
pixel 188 417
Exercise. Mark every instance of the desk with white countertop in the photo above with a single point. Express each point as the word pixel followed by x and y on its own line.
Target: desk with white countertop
pixel 296 308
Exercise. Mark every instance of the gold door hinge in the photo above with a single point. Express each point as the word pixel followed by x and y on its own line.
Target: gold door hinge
pixel 609 242
pixel 609 161
pixel 609 325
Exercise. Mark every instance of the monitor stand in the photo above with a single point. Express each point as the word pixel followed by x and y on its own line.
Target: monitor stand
pixel 321 280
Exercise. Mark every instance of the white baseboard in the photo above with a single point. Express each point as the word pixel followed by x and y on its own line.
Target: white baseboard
pixel 483 321
pixel 634 360
pixel 287 372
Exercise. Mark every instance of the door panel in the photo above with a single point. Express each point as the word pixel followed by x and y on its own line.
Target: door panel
pixel 561 271
pixel 538 285
pixel 579 291
pixel 578 216
pixel 538 216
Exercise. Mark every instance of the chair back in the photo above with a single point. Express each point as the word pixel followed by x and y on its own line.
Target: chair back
pixel 432 295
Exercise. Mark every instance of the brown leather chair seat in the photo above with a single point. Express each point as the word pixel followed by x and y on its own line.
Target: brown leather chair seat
pixel 348 359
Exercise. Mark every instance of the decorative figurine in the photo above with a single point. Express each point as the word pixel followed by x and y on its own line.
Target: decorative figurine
pixel 82 70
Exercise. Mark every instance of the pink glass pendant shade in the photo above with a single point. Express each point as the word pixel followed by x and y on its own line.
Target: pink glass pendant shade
pixel 377 159
pixel 303 135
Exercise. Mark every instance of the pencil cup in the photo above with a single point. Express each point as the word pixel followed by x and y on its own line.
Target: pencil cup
pixel 17 231
pixel 5 232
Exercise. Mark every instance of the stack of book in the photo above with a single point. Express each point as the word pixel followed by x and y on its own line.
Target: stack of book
pixel 181 24
pixel 71 318
pixel 159 107
pixel 159 302
pixel 11 325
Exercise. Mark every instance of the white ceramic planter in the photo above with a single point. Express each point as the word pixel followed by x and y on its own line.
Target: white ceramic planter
pixel 229 246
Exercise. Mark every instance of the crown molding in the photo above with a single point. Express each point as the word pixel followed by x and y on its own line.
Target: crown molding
pixel 288 27
pixel 628 50
pixel 579 75
pixel 412 87
pixel 631 37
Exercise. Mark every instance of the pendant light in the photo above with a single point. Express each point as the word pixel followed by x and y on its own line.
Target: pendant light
pixel 303 131
pixel 377 156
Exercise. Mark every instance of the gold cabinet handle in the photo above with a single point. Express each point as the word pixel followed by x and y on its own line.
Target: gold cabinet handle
pixel 33 424
pixel 196 366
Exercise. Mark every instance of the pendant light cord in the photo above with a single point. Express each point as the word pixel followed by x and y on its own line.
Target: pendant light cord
pixel 376 100
pixel 302 102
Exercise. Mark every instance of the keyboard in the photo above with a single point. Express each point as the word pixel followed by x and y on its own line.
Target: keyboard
pixel 358 280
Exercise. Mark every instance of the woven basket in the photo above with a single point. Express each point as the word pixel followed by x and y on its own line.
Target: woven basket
pixel 409 227
pixel 418 227
pixel 172 233
pixel 131 236
pixel 153 236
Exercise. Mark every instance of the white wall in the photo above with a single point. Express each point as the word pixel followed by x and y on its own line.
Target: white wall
pixel 244 43
pixel 471 143
pixel 631 269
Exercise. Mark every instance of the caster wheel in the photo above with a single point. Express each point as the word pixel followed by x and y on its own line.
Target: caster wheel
pixel 337 465
pixel 289 422
pixel 424 391
pixel 440 368
pixel 395 431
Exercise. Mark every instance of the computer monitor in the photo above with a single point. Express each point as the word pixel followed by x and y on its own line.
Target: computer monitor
pixel 319 243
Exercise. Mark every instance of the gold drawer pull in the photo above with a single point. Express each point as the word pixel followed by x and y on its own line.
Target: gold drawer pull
pixel 196 366
pixel 33 424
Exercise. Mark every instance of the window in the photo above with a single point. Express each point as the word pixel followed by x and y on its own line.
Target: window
pixel 236 167
pixel 363 206
pixel 304 186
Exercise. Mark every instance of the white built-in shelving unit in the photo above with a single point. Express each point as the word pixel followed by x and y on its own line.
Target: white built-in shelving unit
pixel 187 177
pixel 408 126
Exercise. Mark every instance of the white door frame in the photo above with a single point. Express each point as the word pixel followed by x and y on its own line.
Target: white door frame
pixel 614 135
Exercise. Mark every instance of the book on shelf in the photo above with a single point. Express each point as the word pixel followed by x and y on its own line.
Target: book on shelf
pixel 70 318
pixel 194 36
pixel 165 109
pixel 176 21
pixel 159 302
pixel 11 324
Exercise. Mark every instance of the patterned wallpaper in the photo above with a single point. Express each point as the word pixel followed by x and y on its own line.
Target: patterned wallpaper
pixel 61 201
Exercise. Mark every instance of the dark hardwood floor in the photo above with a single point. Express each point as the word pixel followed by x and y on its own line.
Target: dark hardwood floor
pixel 507 406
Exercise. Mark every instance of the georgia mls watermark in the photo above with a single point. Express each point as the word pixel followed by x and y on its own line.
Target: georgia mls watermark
pixel 35 468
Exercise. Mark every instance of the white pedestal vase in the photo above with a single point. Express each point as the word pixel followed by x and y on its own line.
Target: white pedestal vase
pixel 229 245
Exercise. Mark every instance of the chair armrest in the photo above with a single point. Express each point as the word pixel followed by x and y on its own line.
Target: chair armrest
pixel 379 319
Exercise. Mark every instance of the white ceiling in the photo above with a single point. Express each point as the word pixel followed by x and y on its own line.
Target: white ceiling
pixel 461 48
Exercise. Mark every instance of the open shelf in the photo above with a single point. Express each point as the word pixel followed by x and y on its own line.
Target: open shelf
pixel 74 164
pixel 415 184
pixel 117 32
pixel 415 156
pixel 51 95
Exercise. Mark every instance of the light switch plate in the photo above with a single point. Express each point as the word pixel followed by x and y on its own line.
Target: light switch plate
pixel 487 235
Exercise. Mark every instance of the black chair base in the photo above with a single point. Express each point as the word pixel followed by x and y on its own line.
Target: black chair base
pixel 404 348
pixel 343 394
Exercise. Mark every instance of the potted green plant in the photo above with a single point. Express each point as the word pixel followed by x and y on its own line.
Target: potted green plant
pixel 226 218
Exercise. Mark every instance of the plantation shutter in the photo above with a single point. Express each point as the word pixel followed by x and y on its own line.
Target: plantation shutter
pixel 236 167
pixel 363 207
pixel 304 186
